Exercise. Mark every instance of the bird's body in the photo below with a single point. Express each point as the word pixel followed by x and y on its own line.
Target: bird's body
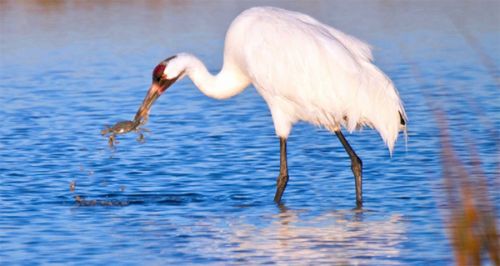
pixel 304 70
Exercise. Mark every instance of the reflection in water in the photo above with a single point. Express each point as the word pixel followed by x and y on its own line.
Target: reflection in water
pixel 343 237
pixel 198 191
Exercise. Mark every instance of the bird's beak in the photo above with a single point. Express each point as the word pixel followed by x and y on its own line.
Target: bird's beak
pixel 154 92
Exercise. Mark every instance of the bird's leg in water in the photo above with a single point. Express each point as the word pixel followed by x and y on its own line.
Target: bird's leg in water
pixel 356 167
pixel 282 179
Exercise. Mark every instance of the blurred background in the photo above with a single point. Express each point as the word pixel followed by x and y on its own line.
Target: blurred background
pixel 200 189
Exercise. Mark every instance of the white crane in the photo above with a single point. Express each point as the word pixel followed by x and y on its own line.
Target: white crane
pixel 305 71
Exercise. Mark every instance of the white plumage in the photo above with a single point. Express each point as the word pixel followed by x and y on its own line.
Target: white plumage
pixel 305 71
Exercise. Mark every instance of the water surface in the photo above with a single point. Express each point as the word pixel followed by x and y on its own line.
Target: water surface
pixel 200 189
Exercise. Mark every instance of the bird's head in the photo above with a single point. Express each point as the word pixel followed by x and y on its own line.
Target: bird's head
pixel 166 73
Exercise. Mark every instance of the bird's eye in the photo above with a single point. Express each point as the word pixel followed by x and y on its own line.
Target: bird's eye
pixel 158 72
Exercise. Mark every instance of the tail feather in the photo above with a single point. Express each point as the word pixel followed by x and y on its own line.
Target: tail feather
pixel 384 109
pixel 401 119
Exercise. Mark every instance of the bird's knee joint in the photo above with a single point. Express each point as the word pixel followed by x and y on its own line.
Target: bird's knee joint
pixel 282 178
pixel 356 164
pixel 357 160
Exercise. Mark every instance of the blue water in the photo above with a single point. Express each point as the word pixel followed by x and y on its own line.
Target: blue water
pixel 200 189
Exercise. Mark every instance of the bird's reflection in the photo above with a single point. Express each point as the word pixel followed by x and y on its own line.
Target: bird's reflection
pixel 295 236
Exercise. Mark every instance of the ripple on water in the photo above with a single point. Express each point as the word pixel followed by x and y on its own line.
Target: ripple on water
pixel 200 189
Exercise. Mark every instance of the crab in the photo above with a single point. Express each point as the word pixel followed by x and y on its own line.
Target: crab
pixel 123 127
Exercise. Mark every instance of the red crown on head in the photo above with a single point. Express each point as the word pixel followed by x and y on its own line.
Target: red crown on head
pixel 158 71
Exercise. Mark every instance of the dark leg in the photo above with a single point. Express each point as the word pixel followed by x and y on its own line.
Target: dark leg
pixel 356 167
pixel 283 176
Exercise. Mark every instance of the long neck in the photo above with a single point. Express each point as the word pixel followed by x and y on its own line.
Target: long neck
pixel 229 82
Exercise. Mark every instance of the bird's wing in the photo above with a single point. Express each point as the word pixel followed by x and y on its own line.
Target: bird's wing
pixel 273 32
pixel 357 47
pixel 313 72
